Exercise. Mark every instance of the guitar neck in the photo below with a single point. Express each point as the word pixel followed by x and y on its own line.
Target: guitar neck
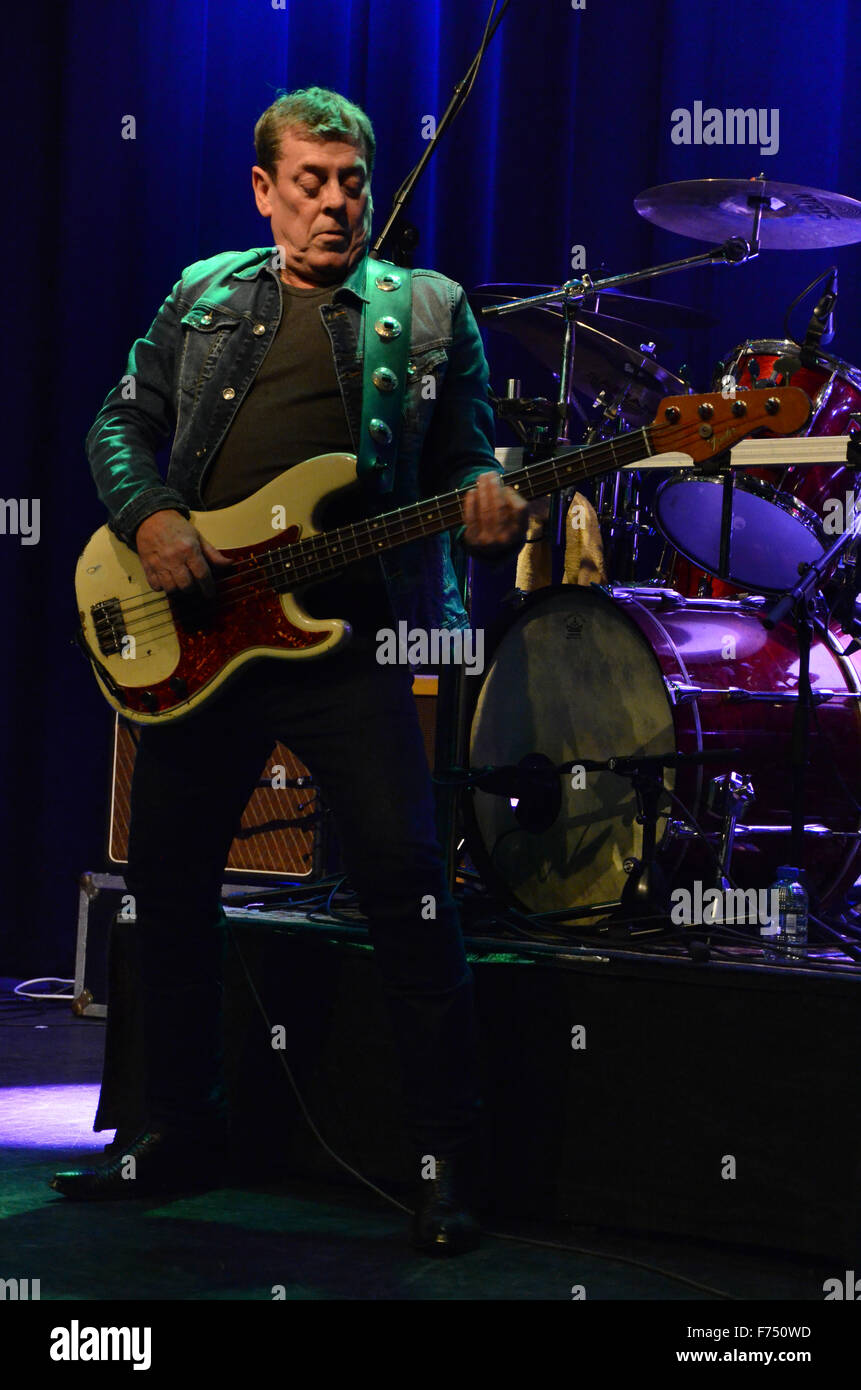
pixel 324 554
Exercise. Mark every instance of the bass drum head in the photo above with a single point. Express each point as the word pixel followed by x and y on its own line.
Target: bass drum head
pixel 572 677
pixel 772 533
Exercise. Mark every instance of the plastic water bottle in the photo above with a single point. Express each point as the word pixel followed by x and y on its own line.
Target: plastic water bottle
pixel 787 927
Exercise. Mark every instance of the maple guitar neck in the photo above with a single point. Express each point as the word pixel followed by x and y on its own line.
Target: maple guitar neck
pixel 701 426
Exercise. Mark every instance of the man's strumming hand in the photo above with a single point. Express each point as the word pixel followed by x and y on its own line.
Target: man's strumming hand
pixel 175 556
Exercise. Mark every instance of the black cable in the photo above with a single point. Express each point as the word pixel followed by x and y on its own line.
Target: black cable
pixel 621 1259
pixel 798 298
pixel 393 1201
pixel 846 946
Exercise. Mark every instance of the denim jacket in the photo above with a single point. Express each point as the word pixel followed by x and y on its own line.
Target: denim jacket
pixel 189 375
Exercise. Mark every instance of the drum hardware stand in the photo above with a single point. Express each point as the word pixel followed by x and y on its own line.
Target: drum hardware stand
pixel 646 892
pixel 734 251
pixel 573 294
pixel 540 424
pixel 559 501
pixel 721 465
pixel 618 503
pixel 725 556
pixel 535 420
pixel 797 607
pixel 730 794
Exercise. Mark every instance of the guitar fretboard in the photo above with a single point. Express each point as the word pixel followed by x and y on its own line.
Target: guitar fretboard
pixel 324 554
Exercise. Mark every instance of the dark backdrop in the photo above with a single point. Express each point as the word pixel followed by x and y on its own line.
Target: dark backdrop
pixel 569 119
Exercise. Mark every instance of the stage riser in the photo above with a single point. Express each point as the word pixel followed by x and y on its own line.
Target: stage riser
pixel 684 1068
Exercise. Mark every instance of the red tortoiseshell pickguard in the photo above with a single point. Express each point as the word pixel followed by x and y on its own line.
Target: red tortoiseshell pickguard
pixel 253 619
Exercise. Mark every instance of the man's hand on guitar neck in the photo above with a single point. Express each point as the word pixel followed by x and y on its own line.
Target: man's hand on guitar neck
pixel 496 517
pixel 175 556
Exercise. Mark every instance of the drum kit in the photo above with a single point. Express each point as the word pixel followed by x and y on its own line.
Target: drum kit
pixel 709 695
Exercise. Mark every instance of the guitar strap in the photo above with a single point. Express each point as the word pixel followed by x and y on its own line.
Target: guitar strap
pixel 385 365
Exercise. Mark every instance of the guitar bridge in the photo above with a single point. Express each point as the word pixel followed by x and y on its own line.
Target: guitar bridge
pixel 110 625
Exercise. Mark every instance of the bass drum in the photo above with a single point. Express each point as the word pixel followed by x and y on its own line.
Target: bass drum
pixel 580 675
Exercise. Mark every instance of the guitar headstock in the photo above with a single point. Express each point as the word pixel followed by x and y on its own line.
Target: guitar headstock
pixel 703 426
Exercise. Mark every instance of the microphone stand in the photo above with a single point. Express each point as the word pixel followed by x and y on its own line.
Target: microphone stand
pixel 407 236
pixel 646 891
pixel 450 716
pixel 535 782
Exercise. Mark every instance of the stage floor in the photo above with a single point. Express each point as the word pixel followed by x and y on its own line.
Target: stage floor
pixel 320 1240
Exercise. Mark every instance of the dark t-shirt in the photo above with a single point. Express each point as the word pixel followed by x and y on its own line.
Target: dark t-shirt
pixel 293 411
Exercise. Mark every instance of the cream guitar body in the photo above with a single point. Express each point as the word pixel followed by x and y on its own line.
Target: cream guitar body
pixel 157 657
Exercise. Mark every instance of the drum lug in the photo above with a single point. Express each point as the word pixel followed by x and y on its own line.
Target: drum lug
pixel 682 694
pixel 729 795
pixel 679 830
pixel 823 395
pixel 822 832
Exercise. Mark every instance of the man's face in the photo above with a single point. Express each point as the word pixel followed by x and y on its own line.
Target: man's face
pixel 319 205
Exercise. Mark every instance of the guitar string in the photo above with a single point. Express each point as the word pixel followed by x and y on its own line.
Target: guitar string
pixel 266 566
pixel 321 547
pixel 329 552
pixel 313 547
pixel 273 565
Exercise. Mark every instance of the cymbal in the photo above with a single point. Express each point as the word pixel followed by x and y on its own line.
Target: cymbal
pixel 626 373
pixel 795 217
pixel 660 315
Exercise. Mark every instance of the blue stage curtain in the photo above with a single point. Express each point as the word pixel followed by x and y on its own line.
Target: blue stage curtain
pixel 569 119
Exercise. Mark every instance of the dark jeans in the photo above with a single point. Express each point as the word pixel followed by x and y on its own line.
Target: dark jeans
pixel 354 724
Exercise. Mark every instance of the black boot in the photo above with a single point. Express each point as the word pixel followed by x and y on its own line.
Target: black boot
pixel 163 1163
pixel 443 1223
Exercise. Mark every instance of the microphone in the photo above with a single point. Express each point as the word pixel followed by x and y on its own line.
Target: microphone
pixel 533 788
pixel 820 329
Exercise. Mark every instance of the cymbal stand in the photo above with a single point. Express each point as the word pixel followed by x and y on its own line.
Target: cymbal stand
pixel 797 606
pixel 734 251
pixel 559 500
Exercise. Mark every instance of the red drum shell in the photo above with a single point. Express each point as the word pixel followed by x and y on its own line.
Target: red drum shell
pixel 695 636
pixel 834 388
